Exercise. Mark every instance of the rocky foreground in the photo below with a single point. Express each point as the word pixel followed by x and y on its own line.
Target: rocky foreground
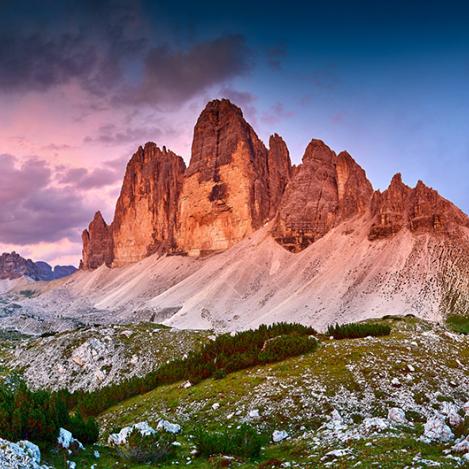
pixel 394 401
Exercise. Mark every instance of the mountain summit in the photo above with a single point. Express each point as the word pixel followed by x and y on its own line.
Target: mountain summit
pixel 234 185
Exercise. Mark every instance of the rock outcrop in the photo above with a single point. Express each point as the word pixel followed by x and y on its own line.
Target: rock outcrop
pixel 279 165
pixel 97 244
pixel 146 211
pixel 13 266
pixel 419 209
pixel 225 194
pixel 325 190
pixel 234 185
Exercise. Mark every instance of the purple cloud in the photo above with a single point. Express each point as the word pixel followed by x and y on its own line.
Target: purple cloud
pixel 32 210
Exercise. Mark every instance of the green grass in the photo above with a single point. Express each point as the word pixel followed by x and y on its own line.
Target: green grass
pixel 458 323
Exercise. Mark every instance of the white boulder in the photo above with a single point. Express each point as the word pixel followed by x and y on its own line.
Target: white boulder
pixel 117 439
pixel 466 408
pixel 21 455
pixel 375 424
pixel 279 435
pixel 254 414
pixel 66 440
pixel 462 446
pixel 436 430
pixel 168 426
pixel 397 415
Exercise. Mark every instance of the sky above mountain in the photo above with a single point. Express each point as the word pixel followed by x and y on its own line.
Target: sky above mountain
pixel 83 83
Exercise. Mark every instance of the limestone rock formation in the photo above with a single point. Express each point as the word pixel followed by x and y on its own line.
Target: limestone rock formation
pixel 146 211
pixel 225 195
pixel 279 165
pixel 324 190
pixel 97 244
pixel 13 266
pixel 420 209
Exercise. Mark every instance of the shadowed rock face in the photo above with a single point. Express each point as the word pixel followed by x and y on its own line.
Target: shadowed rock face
pixel 279 171
pixel 97 244
pixel 420 209
pixel 225 195
pixel 146 211
pixel 13 266
pixel 324 191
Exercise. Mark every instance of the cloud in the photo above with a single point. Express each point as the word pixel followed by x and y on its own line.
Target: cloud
pixel 84 179
pixel 275 56
pixel 275 114
pixel 173 76
pixel 110 134
pixel 34 211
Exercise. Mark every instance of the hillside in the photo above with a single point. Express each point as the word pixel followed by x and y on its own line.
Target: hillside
pixel 333 404
pixel 342 277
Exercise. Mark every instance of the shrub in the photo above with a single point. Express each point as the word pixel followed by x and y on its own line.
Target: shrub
pixel 243 441
pixel 358 330
pixel 147 448
pixel 227 353
pixel 84 430
pixel 285 346
pixel 458 323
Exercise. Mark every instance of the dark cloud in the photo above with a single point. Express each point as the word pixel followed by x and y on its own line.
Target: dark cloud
pixel 173 76
pixel 276 113
pixel 246 101
pixel 33 211
pixel 84 179
pixel 111 135
pixel 275 56
pixel 111 51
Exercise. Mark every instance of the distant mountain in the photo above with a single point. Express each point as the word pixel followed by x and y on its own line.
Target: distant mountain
pixel 13 266
pixel 242 237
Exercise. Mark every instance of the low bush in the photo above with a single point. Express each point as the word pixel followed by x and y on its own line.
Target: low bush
pixel 358 330
pixel 284 346
pixel 226 354
pixel 244 441
pixel 147 449
pixel 458 323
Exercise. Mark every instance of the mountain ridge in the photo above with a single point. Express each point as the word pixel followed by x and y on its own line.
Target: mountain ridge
pixel 234 184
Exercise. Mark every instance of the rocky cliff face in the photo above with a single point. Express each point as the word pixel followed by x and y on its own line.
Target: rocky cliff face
pixel 97 244
pixel 225 195
pixel 279 165
pixel 146 211
pixel 13 266
pixel 234 184
pixel 419 209
pixel 325 190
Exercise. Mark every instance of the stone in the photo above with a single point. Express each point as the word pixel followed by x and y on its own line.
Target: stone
pixel 279 435
pixel 324 190
pixel 168 426
pixel 254 414
pixel 146 212
pixel 97 244
pixel 66 440
pixel 375 424
pixel 118 439
pixel 462 446
pixel 397 415
pixel 435 429
pixel 21 455
pixel 465 408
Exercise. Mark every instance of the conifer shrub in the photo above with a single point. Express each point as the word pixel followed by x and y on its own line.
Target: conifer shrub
pixel 284 346
pixel 147 449
pixel 358 330
pixel 244 441
pixel 226 354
